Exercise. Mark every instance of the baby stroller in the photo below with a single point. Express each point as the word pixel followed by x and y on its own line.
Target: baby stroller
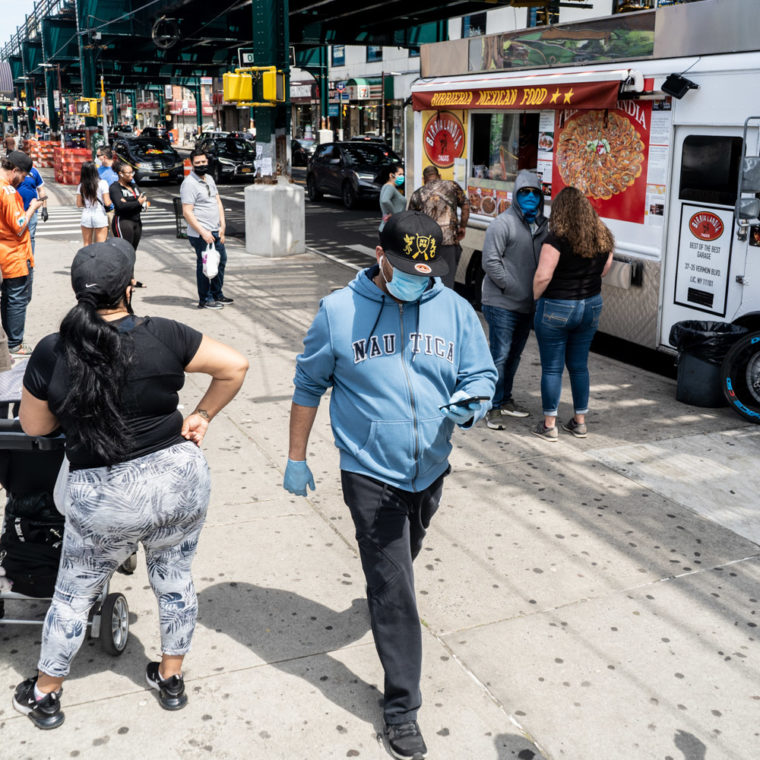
pixel 32 534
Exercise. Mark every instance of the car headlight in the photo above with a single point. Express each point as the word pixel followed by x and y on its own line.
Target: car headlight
pixel 145 167
pixel 226 162
pixel 365 177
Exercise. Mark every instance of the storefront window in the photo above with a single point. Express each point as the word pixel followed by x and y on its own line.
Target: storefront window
pixel 374 53
pixel 474 25
pixel 338 55
pixel 502 145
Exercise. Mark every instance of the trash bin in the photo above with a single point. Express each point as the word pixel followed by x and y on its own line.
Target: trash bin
pixel 702 346
pixel 179 220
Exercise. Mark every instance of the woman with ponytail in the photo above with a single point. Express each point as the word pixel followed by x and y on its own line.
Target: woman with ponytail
pixel 110 380
pixel 93 199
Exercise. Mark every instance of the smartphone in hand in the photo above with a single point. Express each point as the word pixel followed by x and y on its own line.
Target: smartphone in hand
pixel 465 401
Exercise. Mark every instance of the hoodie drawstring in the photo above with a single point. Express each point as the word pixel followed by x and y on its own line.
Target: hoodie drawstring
pixel 377 319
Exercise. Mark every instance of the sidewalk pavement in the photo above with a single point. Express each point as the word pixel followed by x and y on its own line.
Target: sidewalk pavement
pixel 591 598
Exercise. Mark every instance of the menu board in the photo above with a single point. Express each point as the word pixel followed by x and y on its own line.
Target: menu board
pixel 704 258
pixel 545 154
pixel 605 153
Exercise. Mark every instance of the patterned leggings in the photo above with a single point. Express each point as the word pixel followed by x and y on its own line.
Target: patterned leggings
pixel 160 500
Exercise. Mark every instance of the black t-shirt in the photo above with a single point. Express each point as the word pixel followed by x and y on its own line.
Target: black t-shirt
pixel 162 349
pixel 576 277
pixel 125 202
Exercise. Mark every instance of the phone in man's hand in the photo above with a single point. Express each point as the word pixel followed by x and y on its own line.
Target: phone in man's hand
pixel 465 401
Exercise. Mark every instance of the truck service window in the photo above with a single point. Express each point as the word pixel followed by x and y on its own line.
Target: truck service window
pixel 502 145
pixel 710 169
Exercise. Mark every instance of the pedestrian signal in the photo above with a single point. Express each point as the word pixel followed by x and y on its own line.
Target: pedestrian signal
pixel 254 86
pixel 273 85
pixel 237 87
pixel 88 107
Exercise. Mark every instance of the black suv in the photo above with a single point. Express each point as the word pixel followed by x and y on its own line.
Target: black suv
pixel 152 159
pixel 350 170
pixel 229 157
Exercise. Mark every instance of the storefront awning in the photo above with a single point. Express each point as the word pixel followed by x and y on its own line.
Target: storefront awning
pixel 370 88
pixel 552 90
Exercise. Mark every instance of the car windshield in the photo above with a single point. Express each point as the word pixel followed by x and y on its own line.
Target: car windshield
pixel 152 149
pixel 235 147
pixel 369 155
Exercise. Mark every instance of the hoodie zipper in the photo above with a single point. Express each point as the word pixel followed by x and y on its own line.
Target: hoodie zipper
pixel 411 394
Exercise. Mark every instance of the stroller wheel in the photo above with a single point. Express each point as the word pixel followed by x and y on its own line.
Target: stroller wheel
pixel 114 630
pixel 128 566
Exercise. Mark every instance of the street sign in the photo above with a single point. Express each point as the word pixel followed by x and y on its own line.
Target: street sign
pixel 245 57
pixel 340 86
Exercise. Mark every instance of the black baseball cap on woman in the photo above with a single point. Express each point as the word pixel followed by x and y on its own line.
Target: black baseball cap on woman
pixel 412 242
pixel 103 270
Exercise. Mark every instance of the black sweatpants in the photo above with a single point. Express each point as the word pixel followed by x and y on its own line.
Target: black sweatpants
pixel 390 526
pixel 129 229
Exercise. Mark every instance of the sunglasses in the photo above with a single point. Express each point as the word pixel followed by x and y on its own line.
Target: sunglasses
pixel 529 191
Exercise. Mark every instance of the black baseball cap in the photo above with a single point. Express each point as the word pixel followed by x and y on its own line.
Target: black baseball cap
pixel 412 242
pixel 20 160
pixel 103 270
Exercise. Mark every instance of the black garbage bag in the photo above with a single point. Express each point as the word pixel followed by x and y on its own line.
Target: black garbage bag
pixel 709 341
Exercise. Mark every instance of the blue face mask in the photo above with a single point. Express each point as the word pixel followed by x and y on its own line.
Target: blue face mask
pixel 405 287
pixel 399 180
pixel 528 201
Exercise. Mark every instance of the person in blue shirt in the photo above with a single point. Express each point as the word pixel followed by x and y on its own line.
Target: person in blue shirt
pixel 33 187
pixel 106 171
pixel 407 361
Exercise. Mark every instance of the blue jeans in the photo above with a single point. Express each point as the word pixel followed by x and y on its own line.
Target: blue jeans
pixel 507 333
pixel 209 290
pixel 16 294
pixel 564 330
pixel 33 228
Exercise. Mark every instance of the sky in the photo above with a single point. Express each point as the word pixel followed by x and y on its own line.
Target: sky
pixel 12 14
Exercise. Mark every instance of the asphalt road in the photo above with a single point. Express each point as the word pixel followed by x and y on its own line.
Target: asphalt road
pixel 347 236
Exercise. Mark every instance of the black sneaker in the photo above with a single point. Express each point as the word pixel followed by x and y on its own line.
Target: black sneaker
pixel 45 713
pixel 405 740
pixel 210 305
pixel 224 299
pixel 171 691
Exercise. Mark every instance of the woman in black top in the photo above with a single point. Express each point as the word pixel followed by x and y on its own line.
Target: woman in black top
pixel 128 203
pixel 110 380
pixel 567 286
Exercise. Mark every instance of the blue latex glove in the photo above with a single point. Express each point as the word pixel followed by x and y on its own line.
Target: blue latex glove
pixel 297 477
pixel 463 414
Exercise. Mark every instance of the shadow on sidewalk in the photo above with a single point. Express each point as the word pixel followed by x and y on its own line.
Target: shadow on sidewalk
pixel 516 747
pixel 297 636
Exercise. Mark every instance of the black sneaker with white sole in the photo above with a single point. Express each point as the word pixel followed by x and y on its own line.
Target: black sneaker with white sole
pixel 405 740
pixel 171 691
pixel 44 713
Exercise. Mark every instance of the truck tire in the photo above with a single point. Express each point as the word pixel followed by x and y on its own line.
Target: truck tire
pixel 740 377
pixel 311 189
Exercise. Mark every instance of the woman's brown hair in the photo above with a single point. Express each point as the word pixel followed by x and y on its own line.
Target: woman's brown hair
pixel 575 219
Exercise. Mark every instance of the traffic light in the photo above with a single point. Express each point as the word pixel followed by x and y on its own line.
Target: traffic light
pixel 88 107
pixel 254 86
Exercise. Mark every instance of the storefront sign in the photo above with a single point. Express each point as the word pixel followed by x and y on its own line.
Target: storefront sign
pixel 554 97
pixel 604 153
pixel 704 258
pixel 443 139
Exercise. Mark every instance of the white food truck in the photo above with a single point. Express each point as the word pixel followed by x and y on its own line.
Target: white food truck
pixel 659 125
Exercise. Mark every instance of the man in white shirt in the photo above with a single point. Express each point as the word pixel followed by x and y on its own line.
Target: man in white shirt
pixel 204 213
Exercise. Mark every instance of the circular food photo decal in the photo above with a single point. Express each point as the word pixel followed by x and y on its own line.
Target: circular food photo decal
pixel 602 155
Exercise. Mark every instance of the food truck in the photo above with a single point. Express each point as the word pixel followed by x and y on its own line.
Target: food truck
pixel 654 116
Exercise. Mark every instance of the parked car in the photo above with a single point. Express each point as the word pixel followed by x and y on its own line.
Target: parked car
pixel 229 157
pixel 351 170
pixel 152 159
pixel 157 132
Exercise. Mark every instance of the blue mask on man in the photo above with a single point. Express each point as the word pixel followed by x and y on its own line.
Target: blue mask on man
pixel 405 287
pixel 528 199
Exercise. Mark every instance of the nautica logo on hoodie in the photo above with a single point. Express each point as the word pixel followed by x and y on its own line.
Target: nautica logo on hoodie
pixel 432 345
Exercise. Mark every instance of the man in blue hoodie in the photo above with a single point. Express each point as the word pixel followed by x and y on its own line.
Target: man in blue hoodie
pixel 407 361
pixel 510 257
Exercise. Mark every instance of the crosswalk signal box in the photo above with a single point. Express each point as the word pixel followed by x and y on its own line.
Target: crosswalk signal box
pixel 273 85
pixel 88 107
pixel 237 87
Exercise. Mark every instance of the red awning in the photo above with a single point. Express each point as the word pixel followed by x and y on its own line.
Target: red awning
pixel 545 96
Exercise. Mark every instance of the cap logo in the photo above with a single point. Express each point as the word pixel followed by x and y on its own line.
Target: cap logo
pixel 424 268
pixel 419 245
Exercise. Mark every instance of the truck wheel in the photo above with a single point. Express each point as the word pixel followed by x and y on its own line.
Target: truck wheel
pixel 349 196
pixel 311 189
pixel 740 377
pixel 114 624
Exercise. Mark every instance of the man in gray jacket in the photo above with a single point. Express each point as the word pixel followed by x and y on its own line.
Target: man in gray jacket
pixel 510 257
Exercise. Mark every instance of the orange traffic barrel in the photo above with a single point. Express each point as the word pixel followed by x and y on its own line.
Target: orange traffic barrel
pixel 188 167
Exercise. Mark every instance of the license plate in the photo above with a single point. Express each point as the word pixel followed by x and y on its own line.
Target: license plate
pixel 245 170
pixel 164 174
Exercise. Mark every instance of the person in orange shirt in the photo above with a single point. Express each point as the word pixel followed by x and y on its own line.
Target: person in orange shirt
pixel 16 258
